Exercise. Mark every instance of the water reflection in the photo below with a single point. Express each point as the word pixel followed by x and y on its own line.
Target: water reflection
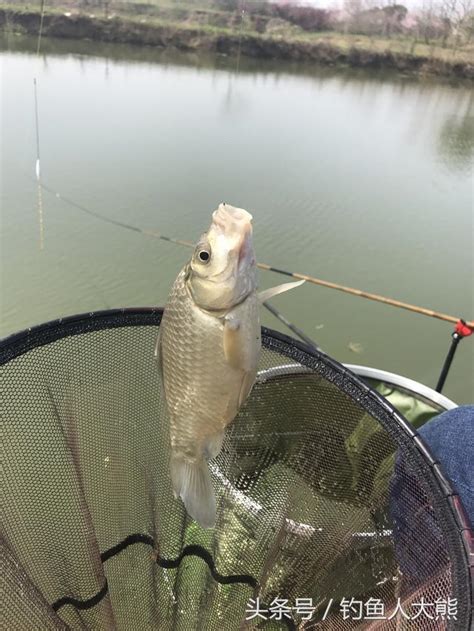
pixel 456 141
pixel 210 60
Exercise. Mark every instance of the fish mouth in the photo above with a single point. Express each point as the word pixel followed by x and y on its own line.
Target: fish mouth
pixel 230 219
pixel 235 226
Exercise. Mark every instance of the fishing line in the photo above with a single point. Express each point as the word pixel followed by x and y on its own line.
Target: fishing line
pixel 188 244
pixel 38 173
pixel 121 224
pixel 239 50
pixel 37 132
pixel 40 32
pixel 38 170
pixel 310 279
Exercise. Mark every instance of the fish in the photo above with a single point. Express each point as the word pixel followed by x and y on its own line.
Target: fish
pixel 208 351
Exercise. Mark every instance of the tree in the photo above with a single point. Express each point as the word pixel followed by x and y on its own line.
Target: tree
pixel 460 16
pixel 394 14
pixel 427 21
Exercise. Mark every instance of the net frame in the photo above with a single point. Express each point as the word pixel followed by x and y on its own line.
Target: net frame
pixel 404 384
pixel 447 505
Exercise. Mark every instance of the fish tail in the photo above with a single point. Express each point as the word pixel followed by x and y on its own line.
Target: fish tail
pixel 192 482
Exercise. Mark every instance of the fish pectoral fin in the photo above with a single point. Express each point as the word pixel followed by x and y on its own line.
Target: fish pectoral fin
pixel 238 355
pixel 234 346
pixel 266 294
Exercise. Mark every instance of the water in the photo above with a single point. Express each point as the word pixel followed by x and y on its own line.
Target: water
pixel 354 178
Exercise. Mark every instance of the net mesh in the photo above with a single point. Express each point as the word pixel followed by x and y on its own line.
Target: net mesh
pixel 321 495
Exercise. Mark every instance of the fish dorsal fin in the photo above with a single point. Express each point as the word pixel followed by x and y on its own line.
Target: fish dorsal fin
pixel 266 294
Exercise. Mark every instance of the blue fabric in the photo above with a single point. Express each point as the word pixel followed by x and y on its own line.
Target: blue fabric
pixel 419 542
pixel 450 437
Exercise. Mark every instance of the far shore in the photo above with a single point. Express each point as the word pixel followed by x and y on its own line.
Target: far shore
pixel 328 48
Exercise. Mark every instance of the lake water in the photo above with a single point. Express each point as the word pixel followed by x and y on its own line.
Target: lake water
pixel 360 179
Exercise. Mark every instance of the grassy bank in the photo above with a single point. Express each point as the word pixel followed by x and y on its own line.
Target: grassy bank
pixel 227 33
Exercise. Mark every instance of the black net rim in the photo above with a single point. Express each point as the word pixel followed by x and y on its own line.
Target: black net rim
pixel 447 504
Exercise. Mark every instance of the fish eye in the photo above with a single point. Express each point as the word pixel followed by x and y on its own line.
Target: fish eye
pixel 204 256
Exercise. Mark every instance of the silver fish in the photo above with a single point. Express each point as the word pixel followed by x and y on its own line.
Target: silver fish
pixel 208 351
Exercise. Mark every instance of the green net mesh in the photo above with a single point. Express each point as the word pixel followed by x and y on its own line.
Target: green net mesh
pixel 323 491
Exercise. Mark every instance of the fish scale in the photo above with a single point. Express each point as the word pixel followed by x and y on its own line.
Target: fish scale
pixel 199 383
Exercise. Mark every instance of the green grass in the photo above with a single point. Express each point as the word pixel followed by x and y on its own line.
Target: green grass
pixel 395 45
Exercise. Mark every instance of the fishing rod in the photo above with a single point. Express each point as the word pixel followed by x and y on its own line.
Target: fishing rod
pixel 264 266
pixel 365 294
pixel 463 329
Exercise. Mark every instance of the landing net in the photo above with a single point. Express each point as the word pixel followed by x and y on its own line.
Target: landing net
pixel 324 493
